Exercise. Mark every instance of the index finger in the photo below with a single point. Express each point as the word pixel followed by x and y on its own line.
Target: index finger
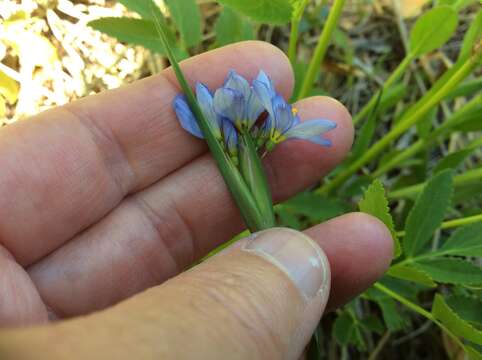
pixel 66 168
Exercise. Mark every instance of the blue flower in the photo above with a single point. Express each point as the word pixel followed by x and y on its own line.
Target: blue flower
pixel 222 127
pixel 236 101
pixel 283 123
pixel 187 119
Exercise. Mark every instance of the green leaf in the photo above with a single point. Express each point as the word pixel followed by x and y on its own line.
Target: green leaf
pixel 451 270
pixel 391 315
pixel 472 353
pixel 367 131
pixel 187 17
pixel 343 328
pixel 407 272
pixel 465 241
pixel 469 309
pixel 315 207
pixel 375 203
pixel 454 322
pixel 472 36
pixel 372 323
pixel 453 160
pixel 428 212
pixel 267 11
pixel 133 31
pixel 432 30
pixel 230 27
pixel 144 8
pixel 347 331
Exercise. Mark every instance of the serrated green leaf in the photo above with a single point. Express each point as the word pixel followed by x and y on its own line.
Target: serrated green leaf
pixel 453 322
pixel 472 353
pixel 187 17
pixel 375 203
pixel 452 161
pixel 465 241
pixel 144 8
pixel 472 36
pixel 428 212
pixel 407 272
pixel 468 308
pixel 451 271
pixel 231 27
pixel 432 30
pixel 268 11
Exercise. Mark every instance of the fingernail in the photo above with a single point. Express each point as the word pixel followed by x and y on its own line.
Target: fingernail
pixel 295 254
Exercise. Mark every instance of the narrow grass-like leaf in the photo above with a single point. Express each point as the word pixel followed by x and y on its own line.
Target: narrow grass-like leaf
pixel 367 130
pixel 187 17
pixel 472 36
pixel 454 322
pixel 451 271
pixel 407 272
pixel 465 241
pixel 247 205
pixel 432 30
pixel 428 212
pixel 453 160
pixel 268 11
pixel 375 203
pixel 253 173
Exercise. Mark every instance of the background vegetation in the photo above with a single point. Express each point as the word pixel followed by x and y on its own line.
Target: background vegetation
pixel 409 71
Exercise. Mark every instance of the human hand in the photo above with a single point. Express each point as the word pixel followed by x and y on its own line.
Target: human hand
pixel 108 196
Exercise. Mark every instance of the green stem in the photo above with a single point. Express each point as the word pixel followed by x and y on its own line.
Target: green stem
pixel 293 41
pixel 468 177
pixel 236 184
pixel 395 76
pixel 320 51
pixel 418 309
pixel 381 344
pixel 444 130
pixel 454 223
pixel 404 124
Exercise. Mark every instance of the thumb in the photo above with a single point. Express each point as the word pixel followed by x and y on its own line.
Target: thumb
pixel 259 299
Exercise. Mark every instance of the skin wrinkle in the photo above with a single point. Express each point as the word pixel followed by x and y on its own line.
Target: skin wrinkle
pixel 104 138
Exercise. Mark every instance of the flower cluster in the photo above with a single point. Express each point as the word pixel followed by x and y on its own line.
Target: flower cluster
pixel 240 108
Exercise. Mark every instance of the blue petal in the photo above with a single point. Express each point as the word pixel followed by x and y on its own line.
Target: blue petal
pixel 262 77
pixel 238 83
pixel 311 128
pixel 230 104
pixel 230 137
pixel 320 141
pixel 254 108
pixel 265 95
pixel 186 117
pixel 205 101
pixel 283 114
